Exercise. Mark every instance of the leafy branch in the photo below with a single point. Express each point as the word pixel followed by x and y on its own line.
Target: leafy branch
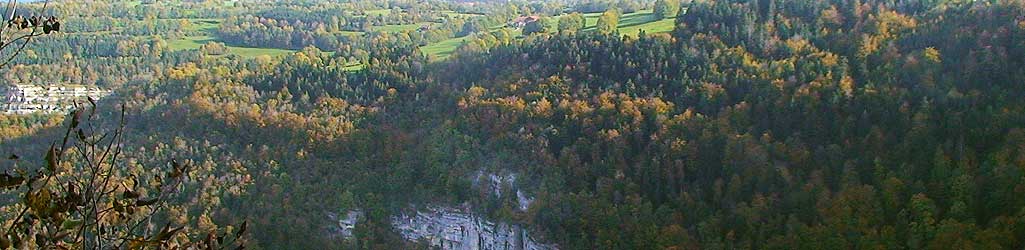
pixel 36 27
pixel 84 198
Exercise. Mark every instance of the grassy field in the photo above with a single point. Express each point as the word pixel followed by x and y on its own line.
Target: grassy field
pixel 457 14
pixel 398 28
pixel 194 42
pixel 659 26
pixel 253 52
pixel 590 20
pixel 377 12
pixel 189 42
pixel 132 4
pixel 208 26
pixel 354 67
pixel 443 49
pixel 201 24
pixel 630 24
pixel 352 33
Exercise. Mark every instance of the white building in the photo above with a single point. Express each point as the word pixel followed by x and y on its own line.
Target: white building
pixel 30 98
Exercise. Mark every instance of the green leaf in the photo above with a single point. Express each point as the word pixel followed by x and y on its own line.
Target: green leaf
pixel 75 118
pixel 242 229
pixel 4 242
pixel 71 224
pixel 38 200
pixel 51 159
pixel 41 240
pixel 146 202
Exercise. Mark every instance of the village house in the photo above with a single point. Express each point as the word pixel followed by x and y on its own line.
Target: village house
pixel 30 98
pixel 522 21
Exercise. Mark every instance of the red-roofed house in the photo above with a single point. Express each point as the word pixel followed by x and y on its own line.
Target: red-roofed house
pixel 521 21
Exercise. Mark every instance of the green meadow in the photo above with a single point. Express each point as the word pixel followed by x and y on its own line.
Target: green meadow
pixel 398 28
pixel 195 42
pixel 630 24
pixel 443 49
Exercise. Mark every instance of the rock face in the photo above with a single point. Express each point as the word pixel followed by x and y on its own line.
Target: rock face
pixel 494 183
pixel 346 224
pixel 455 229
pixel 451 229
pixel 523 200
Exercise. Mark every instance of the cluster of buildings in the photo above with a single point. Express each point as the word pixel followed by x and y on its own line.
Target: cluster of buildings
pixel 31 98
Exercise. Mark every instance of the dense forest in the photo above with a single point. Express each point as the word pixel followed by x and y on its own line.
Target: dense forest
pixel 761 124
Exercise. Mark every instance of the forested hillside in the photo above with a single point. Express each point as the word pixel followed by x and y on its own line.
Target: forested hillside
pixel 762 124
